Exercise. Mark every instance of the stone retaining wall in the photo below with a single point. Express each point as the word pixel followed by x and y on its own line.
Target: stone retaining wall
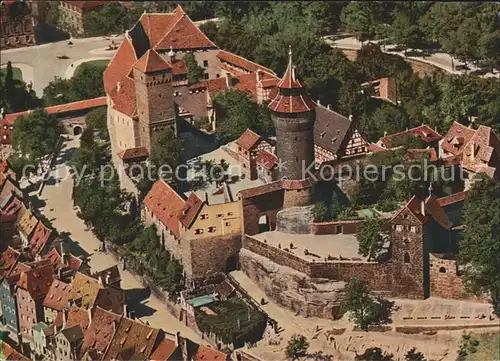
pixel 336 227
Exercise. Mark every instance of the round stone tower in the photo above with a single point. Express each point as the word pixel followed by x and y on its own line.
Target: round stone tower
pixel 293 114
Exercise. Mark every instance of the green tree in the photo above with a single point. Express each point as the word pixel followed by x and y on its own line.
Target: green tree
pixel 35 135
pixel 371 237
pixel 373 354
pixel 97 119
pixel 489 45
pixel 297 347
pixel 319 212
pixel 414 355
pixel 87 138
pixel 9 78
pixel 166 150
pixel 405 33
pixel 195 72
pixel 356 18
pixel 479 247
pixel 361 306
pixel 111 19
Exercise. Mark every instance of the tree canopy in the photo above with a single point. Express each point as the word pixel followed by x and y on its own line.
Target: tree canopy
pixel 297 346
pixel 371 237
pixel 35 135
pixel 479 247
pixel 195 73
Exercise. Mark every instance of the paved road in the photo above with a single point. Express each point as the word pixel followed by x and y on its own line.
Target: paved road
pixel 441 60
pixel 40 64
pixel 57 206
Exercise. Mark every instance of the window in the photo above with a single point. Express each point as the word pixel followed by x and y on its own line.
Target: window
pixel 228 224
pixel 413 229
pixel 406 257
pixel 204 216
pixel 220 215
pixel 205 63
pixel 239 149
pixel 229 213
pixel 198 231
pixel 205 75
pixel 399 227
pixel 212 229
pixel 442 270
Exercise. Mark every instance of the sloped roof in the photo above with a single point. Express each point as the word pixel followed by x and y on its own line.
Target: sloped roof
pixel 452 198
pixel 157 25
pixel 57 260
pixel 124 98
pixel 36 281
pixel 190 210
pixel 151 61
pixel 205 353
pixel 120 65
pixel 101 330
pixel 456 138
pixel 248 140
pixel 13 205
pixel 41 235
pixel 72 334
pixel 8 260
pixel 482 152
pixel 267 160
pixel 27 223
pixel 164 350
pixel 85 288
pixel 132 341
pixel 432 208
pixel 166 204
pixel 10 353
pixel 78 317
pixel 133 153
pixel 111 299
pixel 330 129
pixel 423 132
pixel 58 295
pixel 241 62
pixel 112 274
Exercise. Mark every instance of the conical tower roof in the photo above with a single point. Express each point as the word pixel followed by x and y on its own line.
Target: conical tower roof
pixel 292 96
pixel 151 61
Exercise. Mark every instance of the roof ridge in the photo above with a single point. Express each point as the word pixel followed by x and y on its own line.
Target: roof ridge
pixel 250 61
pixel 105 353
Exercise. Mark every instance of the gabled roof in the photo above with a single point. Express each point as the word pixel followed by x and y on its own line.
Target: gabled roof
pixel 132 341
pixel 432 208
pixel 164 350
pixel 190 210
pixel 423 132
pixel 133 153
pixel 330 129
pixel 84 288
pixel 57 261
pixel 8 260
pixel 482 153
pixel 111 299
pixel 58 295
pixel 27 223
pixel 109 275
pixel 36 281
pixel 101 330
pixel 452 198
pixel 184 35
pixel 9 353
pixel 40 238
pixel 456 138
pixel 205 353
pixel 166 204
pixel 123 97
pixel 78 317
pixel 267 160
pixel 120 65
pixel 248 140
pixel 241 62
pixel 73 334
pixel 150 62
pixel 157 25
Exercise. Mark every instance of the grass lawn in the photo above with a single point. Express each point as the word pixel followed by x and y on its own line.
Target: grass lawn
pixel 102 64
pixel 488 348
pixel 18 74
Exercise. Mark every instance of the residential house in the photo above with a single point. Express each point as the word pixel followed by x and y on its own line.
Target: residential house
pixel 67 343
pixel 424 133
pixel 66 264
pixel 40 341
pixel 56 300
pixel 99 334
pixel 31 289
pixel 109 277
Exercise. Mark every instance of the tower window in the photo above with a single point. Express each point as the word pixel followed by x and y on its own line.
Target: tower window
pixel 205 63
pixel 206 75
pixel 406 257
pixel 442 270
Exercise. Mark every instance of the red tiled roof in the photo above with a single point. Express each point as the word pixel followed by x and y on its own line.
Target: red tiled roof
pixel 40 237
pixel 133 153
pixel 57 260
pixel 242 62
pixel 205 353
pixel 290 80
pixel 84 289
pixel 36 281
pixel 78 317
pixel 8 260
pixel 63 108
pixel 9 353
pixel 184 35
pixel 178 67
pixel 124 100
pixel 260 190
pixel 423 132
pixel 101 330
pixel 375 148
pixel 190 210
pixel 291 104
pixel 456 138
pixel 267 160
pixel 58 295
pixel 248 140
pixel 482 153
pixel 110 275
pixel 111 299
pixel 164 350
pixel 132 341
pixel 151 61
pixel 157 25
pixel 433 207
pixel 166 205
pixel 452 198
pixel 411 153
pixel 120 65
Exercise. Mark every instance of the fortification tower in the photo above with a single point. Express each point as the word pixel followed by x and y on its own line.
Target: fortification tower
pixel 293 113
pixel 154 96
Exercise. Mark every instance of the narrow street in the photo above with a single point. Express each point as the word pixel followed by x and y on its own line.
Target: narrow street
pixel 56 204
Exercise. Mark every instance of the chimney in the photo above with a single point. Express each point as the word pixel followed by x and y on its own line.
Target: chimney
pixel 228 80
pixel 171 55
pixel 125 310
pixel 422 207
pixel 259 74
pixel 177 338
pixel 101 281
pixel 118 86
pixel 65 317
pixel 108 278
pixel 329 106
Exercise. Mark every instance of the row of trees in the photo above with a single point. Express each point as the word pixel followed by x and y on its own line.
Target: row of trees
pixel 15 94
pixel 468 30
